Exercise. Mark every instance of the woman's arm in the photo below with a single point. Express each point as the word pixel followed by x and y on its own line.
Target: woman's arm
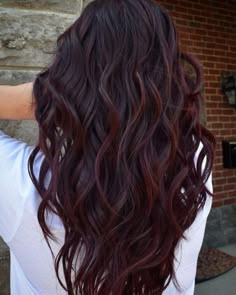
pixel 16 102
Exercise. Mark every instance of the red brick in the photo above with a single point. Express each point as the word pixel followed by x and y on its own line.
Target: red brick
pixel 207 30
pixel 219 181
pixel 217 203
pixel 210 65
pixel 230 187
pixel 227 172
pixel 230 201
pixel 200 19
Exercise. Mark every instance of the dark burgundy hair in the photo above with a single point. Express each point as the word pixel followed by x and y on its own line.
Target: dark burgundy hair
pixel 119 125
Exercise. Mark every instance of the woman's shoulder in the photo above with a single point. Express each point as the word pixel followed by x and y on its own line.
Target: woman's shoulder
pixel 16 187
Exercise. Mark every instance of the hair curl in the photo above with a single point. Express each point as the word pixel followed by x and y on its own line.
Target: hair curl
pixel 119 126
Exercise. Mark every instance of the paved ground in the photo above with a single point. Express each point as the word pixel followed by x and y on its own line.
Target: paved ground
pixel 222 285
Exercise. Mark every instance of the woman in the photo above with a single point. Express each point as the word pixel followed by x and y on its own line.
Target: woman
pixel 115 196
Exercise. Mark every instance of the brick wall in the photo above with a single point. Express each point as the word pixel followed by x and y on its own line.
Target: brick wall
pixel 207 28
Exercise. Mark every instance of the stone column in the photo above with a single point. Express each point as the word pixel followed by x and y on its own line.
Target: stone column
pixel 27 39
pixel 28 33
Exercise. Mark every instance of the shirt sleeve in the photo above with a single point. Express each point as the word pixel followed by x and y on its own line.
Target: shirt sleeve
pixel 188 250
pixel 14 184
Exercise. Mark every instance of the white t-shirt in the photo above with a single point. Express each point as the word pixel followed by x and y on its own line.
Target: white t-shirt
pixel 32 268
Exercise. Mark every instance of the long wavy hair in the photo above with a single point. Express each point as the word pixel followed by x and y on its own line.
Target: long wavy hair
pixel 119 126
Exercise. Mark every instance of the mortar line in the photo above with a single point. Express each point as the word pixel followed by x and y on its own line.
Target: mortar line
pixel 46 11
pixel 21 68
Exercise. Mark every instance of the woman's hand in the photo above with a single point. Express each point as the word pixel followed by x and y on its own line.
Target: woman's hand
pixel 17 102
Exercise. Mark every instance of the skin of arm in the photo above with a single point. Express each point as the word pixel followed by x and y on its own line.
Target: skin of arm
pixel 17 102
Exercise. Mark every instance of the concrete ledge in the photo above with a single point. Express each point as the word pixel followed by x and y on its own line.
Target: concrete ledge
pixel 26 131
pixel 69 6
pixel 28 38
pixel 15 76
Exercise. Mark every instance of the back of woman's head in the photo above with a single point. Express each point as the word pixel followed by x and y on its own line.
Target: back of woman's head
pixel 119 125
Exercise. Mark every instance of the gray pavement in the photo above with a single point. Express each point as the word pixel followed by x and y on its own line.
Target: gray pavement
pixel 224 284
